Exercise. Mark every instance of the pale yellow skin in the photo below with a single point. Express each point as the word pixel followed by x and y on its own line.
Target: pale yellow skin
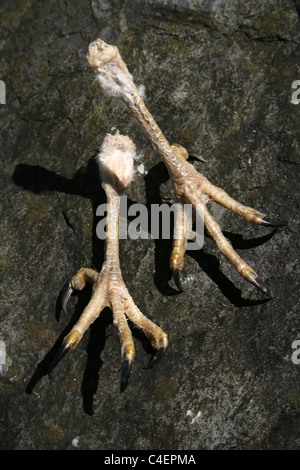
pixel 109 289
pixel 190 186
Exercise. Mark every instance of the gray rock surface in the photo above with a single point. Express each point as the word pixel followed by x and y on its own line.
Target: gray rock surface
pixel 218 78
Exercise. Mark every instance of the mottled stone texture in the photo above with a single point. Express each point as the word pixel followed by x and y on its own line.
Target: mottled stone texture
pixel 218 78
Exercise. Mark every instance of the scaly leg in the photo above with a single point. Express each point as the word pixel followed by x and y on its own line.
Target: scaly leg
pixel 190 186
pixel 109 290
pixel 226 248
pixel 182 230
pixel 248 213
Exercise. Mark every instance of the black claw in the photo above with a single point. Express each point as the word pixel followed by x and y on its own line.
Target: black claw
pixel 195 155
pixel 65 295
pixel 177 279
pixel 199 157
pixel 125 372
pixel 272 223
pixel 159 354
pixel 262 286
pixel 65 347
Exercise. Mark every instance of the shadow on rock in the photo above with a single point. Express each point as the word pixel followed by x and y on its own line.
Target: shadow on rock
pixel 86 183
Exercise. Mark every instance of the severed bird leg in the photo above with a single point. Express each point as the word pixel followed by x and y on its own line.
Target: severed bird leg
pixel 116 167
pixel 190 186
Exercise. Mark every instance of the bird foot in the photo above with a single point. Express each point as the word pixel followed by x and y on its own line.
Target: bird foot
pixel 110 291
pixel 194 188
pixel 190 187
pixel 116 167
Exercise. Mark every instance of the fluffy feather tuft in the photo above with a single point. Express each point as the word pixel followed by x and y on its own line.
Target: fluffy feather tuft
pixel 112 72
pixel 115 161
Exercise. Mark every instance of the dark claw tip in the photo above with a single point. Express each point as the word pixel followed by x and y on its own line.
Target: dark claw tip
pixel 262 286
pixel 159 354
pixel 177 279
pixel 199 157
pixel 195 155
pixel 65 295
pixel 125 372
pixel 65 347
pixel 273 223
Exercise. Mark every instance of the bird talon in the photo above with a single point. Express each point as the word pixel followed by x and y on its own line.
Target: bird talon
pixel 69 342
pixel 272 223
pixel 262 286
pixel 160 352
pixel 66 294
pixel 195 155
pixel 252 277
pixel 125 373
pixel 177 278
pixel 64 348
pixel 157 357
